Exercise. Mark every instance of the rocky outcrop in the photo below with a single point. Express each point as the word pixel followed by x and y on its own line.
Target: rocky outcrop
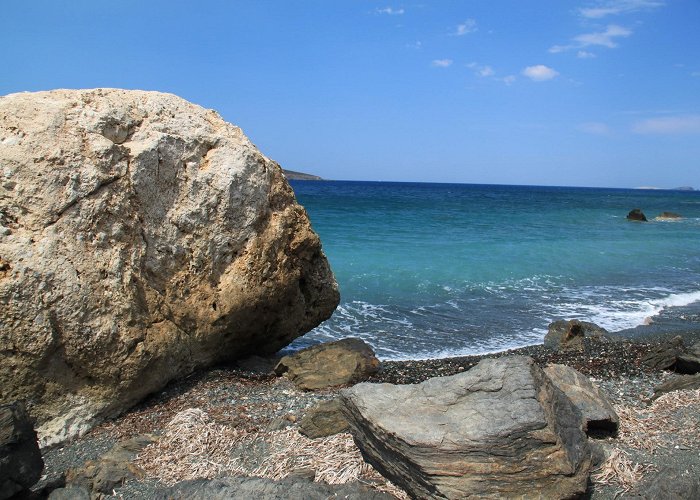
pixel 668 216
pixel 141 237
pixel 20 459
pixel 677 383
pixel 497 430
pixel 637 215
pixel 257 487
pixel 332 364
pixel 564 334
pixel 324 419
pixel 674 355
pixel 596 410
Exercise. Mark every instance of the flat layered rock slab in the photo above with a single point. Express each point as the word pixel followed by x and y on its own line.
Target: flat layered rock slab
pixel 502 429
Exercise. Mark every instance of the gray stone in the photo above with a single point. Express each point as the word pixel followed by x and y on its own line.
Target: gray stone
pixel 678 383
pixel 147 238
pixel 664 356
pixel 497 430
pixel 254 487
pixel 70 493
pixel 564 334
pixel 20 459
pixel 671 484
pixel 331 364
pixel 324 419
pixel 596 410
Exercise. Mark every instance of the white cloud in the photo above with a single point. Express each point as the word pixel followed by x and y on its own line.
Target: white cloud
pixel 415 45
pixel 486 71
pixel 509 80
pixel 540 73
pixel 442 63
pixel 604 38
pixel 390 11
pixel 468 26
pixel 582 54
pixel 614 7
pixel 669 125
pixel 595 128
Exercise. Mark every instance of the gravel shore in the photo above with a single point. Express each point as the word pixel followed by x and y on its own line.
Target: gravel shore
pixel 262 403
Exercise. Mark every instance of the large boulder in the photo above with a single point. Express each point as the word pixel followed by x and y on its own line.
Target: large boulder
pixel 20 458
pixel 596 410
pixel 324 419
pixel 563 334
pixel 330 364
pixel 636 214
pixel 141 237
pixel 498 430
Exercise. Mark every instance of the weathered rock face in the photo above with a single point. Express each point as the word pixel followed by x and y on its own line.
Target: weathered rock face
pixel 596 410
pixel 498 430
pixel 20 459
pixel 324 419
pixel 331 364
pixel 141 237
pixel 564 334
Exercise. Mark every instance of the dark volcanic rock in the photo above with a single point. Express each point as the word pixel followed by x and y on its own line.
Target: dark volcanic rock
pixel 669 483
pixel 256 487
pixel 637 214
pixel 20 459
pixel 664 356
pixel 564 334
pixel 689 361
pixel 679 383
pixel 499 429
pixel 332 364
pixel 324 419
pixel 596 410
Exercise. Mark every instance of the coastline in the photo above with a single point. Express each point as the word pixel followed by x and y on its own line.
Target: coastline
pixel 261 403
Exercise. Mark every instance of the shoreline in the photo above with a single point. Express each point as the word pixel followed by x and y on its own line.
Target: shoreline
pixel 263 403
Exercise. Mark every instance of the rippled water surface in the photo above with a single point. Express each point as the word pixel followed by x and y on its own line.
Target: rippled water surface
pixel 430 270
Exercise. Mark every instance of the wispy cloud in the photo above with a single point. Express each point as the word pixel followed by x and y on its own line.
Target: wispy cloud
pixel 605 38
pixel 594 128
pixel 615 7
pixel 415 45
pixel 442 63
pixel 540 73
pixel 509 80
pixel 669 125
pixel 468 26
pixel 390 11
pixel 583 54
pixel 482 71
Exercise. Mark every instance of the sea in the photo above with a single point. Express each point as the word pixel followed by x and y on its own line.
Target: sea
pixel 440 270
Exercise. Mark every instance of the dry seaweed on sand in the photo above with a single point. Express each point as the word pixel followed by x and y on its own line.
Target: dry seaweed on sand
pixel 619 470
pixel 193 446
pixel 670 420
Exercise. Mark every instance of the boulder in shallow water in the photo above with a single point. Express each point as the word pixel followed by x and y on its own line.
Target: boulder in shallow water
pixel 498 430
pixel 596 410
pixel 142 237
pixel 637 215
pixel 668 216
pixel 331 364
pixel 564 334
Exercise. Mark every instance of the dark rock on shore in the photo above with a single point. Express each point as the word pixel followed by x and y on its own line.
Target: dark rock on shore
pixel 255 487
pixel 20 459
pixel 564 334
pixel 597 412
pixel 500 429
pixel 674 355
pixel 679 383
pixel 331 364
pixel 637 215
pixel 324 419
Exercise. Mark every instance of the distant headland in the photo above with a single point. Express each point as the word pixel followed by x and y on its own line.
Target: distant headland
pixel 682 188
pixel 300 176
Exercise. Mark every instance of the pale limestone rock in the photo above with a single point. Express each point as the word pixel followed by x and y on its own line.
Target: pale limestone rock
pixel 142 237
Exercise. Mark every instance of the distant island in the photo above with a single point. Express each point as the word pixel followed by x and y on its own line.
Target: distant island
pixel 300 176
pixel 682 188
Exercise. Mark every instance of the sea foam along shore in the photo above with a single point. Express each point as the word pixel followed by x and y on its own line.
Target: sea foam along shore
pixel 259 403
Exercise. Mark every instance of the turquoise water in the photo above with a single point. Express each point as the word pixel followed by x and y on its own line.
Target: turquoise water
pixel 434 270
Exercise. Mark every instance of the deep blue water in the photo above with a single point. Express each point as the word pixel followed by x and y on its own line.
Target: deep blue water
pixel 433 270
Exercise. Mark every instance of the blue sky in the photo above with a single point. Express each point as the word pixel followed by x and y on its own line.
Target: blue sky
pixel 581 93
